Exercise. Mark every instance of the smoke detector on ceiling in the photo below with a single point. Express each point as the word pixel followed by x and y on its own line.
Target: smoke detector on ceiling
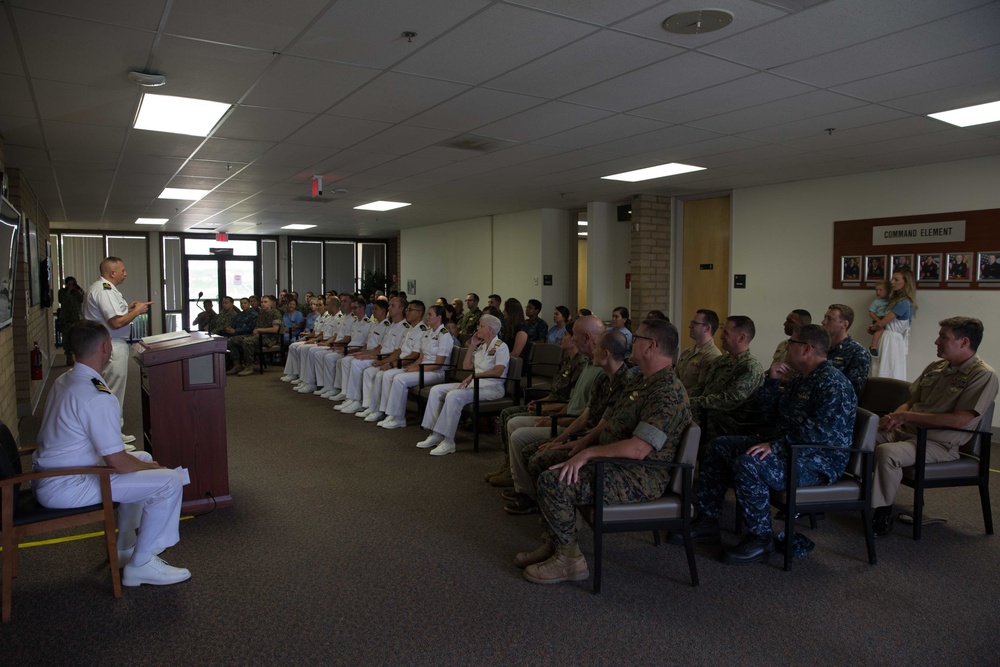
pixel 698 21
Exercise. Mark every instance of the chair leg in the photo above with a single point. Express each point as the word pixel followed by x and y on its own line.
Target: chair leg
pixel 918 511
pixel 656 538
pixel 9 559
pixel 598 549
pixel 866 518
pixel 812 521
pixel 692 564
pixel 789 536
pixel 984 498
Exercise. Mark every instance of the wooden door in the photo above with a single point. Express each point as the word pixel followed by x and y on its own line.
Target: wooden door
pixel 705 261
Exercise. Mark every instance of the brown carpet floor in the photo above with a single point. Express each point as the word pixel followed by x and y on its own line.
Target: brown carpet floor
pixel 347 545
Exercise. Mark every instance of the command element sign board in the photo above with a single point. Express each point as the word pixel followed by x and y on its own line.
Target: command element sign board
pixel 943 250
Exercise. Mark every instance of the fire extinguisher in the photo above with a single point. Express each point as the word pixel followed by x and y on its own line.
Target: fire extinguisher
pixel 36 362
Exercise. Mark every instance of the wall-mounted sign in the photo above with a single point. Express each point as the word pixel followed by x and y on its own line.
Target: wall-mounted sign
pixel 919 232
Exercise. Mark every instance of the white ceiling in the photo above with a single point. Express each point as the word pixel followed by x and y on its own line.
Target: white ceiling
pixel 566 90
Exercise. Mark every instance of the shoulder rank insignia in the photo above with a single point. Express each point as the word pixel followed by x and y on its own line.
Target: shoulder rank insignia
pixel 423 327
pixel 406 325
pixel 100 385
pixel 107 285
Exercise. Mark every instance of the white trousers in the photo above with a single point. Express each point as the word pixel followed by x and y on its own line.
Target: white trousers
pixel 371 391
pixel 395 392
pixel 115 372
pixel 326 375
pixel 354 389
pixel 343 371
pixel 294 360
pixel 445 403
pixel 312 363
pixel 150 502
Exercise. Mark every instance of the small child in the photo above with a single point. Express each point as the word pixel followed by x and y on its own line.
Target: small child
pixel 877 311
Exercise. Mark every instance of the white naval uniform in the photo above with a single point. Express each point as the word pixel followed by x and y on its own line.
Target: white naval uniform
pixel 330 375
pixel 79 428
pixel 445 403
pixel 376 333
pixel 295 351
pixel 103 302
pixel 410 344
pixel 396 383
pixel 360 377
pixel 311 364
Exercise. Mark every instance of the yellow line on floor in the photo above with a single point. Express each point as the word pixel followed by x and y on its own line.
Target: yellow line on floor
pixel 70 538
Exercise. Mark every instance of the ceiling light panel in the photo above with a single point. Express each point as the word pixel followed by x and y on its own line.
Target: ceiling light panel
pixel 178 115
pixel 968 116
pixel 183 193
pixel 381 206
pixel 649 173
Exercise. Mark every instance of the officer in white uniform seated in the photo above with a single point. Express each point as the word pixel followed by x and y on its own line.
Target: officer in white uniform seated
pixel 490 357
pixel 80 428
pixel 106 304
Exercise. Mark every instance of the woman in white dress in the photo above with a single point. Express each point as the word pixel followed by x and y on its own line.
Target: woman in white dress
pixel 894 345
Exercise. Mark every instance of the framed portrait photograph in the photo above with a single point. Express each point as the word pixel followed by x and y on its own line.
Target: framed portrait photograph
pixel 989 268
pixel 958 266
pixel 875 267
pixel 902 262
pixel 10 226
pixel 930 268
pixel 850 268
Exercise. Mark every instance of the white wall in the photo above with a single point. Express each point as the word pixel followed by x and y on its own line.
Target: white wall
pixel 783 238
pixel 506 254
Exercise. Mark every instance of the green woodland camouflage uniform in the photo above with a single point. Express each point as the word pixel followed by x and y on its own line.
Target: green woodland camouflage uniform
pixel 726 392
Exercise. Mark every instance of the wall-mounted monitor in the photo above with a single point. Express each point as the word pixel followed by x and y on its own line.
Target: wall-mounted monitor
pixel 10 223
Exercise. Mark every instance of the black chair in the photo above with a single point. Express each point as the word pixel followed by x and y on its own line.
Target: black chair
pixel 543 364
pixel 852 492
pixel 23 516
pixel 883 395
pixel 280 348
pixel 422 390
pixel 671 511
pixel 972 468
pixel 481 408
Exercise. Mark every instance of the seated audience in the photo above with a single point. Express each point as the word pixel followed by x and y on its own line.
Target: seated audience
pixel 205 317
pixel 536 327
pixel 621 322
pixel 847 354
pixel 797 318
pixel 368 363
pixel 514 331
pixel 560 317
pixel 244 348
pixel 694 361
pixel 470 318
pixel 488 359
pixel 293 320
pixel 656 315
pixel 224 320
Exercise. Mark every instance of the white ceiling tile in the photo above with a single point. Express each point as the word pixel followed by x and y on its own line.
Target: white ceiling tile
pixel 978 67
pixel 948 37
pixel 747 15
pixel 294 155
pixel 72 141
pixel 953 97
pixel 194 182
pixel 903 128
pixel 499 39
pixel 402 140
pixel 668 137
pixel 307 85
pixel 694 151
pixel 145 15
pixel 777 112
pixel 407 166
pixel 349 162
pixel 920 141
pixel 10 59
pixel 31 159
pixel 473 108
pixel 809 33
pixel 161 144
pixel 592 11
pixel 614 127
pixel 728 96
pixel 20 131
pixel 595 58
pixel 76 103
pixel 240 150
pixel 549 118
pixel 211 168
pixel 16 97
pixel 207 71
pixel 261 123
pixel 965 150
pixel 268 26
pixel 847 119
pixel 682 74
pixel 368 32
pixel 395 97
pixel 337 131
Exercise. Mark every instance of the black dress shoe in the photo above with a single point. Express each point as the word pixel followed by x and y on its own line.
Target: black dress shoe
pixel 523 505
pixel 882 521
pixel 509 495
pixel 752 549
pixel 704 530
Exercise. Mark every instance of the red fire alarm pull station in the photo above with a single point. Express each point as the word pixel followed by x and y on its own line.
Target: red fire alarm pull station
pixel 628 281
pixel 222 237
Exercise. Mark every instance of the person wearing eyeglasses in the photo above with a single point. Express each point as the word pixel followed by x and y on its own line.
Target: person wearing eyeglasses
pixel 694 361
pixel 469 320
pixel 816 407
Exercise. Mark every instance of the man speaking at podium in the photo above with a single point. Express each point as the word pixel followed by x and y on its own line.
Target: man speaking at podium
pixel 80 428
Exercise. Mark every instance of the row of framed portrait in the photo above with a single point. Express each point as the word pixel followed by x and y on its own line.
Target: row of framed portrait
pixel 932 267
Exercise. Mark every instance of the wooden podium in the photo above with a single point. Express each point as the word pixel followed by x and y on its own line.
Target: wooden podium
pixel 184 413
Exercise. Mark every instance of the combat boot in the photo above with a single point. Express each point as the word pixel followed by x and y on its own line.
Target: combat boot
pixel 544 552
pixel 567 564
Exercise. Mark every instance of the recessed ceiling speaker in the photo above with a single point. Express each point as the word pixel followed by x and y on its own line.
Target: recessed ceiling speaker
pixel 148 80
pixel 698 21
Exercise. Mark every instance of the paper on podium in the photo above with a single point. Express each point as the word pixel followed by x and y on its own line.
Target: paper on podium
pixel 159 338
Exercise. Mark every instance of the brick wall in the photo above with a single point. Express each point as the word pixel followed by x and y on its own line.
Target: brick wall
pixel 650 255
pixel 31 322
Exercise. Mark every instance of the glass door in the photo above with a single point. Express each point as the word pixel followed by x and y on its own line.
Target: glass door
pixel 214 278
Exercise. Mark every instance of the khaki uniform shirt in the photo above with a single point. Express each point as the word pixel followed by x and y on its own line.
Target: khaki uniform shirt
pixel 694 363
pixel 942 388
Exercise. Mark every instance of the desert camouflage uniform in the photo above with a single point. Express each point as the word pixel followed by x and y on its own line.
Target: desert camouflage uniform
pixel 469 320
pixel 562 385
pixel 655 410
pixel 818 409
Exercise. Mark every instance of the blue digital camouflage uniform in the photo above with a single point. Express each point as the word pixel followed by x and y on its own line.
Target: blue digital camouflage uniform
pixel 727 392
pixel 656 410
pixel 245 347
pixel 853 360
pixel 604 390
pixel 244 321
pixel 224 319
pixel 562 384
pixel 818 409
pixel 537 329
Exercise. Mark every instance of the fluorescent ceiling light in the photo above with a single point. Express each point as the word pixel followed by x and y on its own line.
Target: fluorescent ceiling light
pixel 183 193
pixel 298 226
pixel 151 221
pixel 180 115
pixel 382 205
pixel 581 233
pixel 976 115
pixel 648 173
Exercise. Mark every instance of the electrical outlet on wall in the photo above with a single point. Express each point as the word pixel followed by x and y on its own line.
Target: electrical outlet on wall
pixel 536 281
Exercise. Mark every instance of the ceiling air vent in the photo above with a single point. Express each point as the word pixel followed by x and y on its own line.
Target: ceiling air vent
pixel 476 143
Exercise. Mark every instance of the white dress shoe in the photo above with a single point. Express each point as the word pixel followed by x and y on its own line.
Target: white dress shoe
pixel 432 440
pixel 374 416
pixel 342 405
pixel 289 378
pixel 364 413
pixel 393 422
pixel 297 381
pixel 155 572
pixel 334 398
pixel 446 447
pixel 306 388
pixel 342 396
pixel 319 392
pixel 128 439
pixel 353 408
pixel 327 394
